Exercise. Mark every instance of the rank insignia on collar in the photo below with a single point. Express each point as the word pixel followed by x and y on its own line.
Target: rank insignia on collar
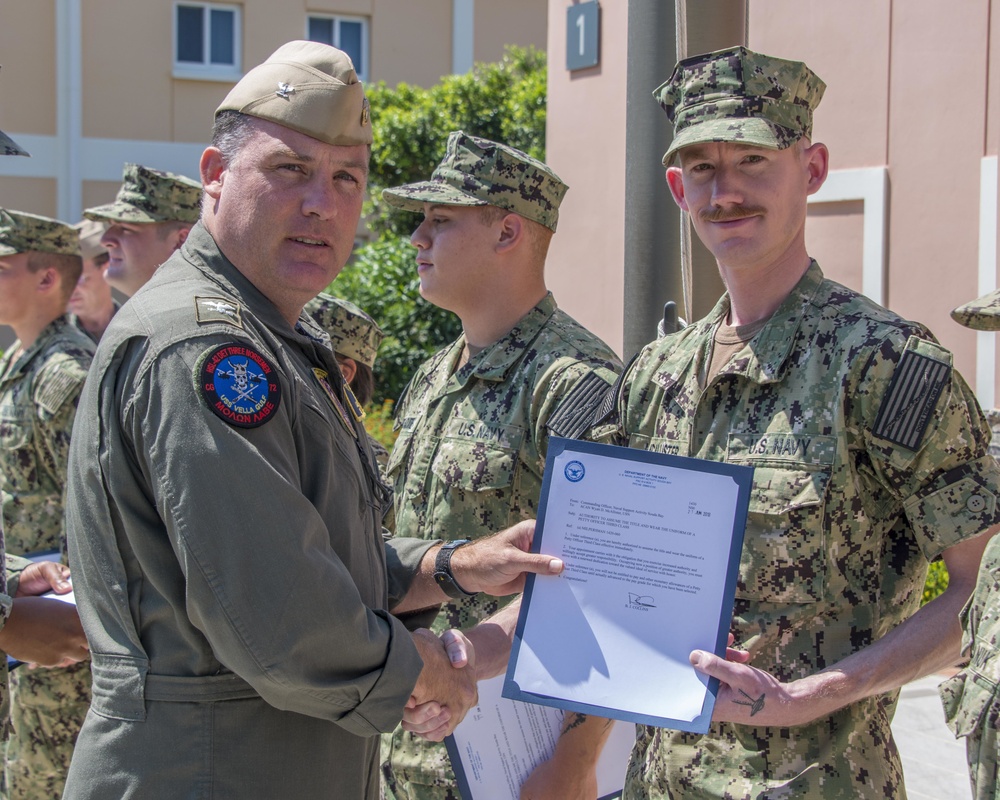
pixel 353 404
pixel 323 377
pixel 238 384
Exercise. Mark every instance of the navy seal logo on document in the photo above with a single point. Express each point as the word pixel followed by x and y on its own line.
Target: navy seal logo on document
pixel 239 384
pixel 574 471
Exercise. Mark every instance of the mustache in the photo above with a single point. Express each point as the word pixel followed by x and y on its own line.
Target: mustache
pixel 731 213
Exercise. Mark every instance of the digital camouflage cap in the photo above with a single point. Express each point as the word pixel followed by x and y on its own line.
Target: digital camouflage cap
pixel 149 195
pixel 478 172
pixel 352 332
pixel 982 314
pixel 737 95
pixel 309 87
pixel 9 147
pixel 30 233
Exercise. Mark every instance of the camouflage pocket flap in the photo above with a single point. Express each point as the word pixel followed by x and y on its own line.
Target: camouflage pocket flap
pixel 778 491
pixel 964 508
pixel 473 466
pixel 399 451
pixel 965 701
pixel 15 428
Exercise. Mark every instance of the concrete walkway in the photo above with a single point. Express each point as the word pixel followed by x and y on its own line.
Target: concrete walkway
pixel 933 759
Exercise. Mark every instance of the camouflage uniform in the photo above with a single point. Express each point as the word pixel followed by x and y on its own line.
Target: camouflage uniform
pixel 972 698
pixel 473 438
pixel 8 147
pixel 353 334
pixel 851 500
pixel 469 461
pixel 38 394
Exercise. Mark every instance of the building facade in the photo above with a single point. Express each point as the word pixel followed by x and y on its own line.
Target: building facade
pixel 912 118
pixel 88 85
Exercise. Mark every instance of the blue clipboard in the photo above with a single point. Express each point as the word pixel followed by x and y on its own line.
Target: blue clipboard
pixel 742 476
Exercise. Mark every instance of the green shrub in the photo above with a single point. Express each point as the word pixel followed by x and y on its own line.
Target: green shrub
pixel 378 423
pixel 937 581
pixel 505 102
pixel 382 279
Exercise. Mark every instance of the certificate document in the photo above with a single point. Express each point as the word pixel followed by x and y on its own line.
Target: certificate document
pixel 500 742
pixel 651 545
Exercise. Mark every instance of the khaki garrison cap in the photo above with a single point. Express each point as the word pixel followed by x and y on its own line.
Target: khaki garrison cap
pixel 478 172
pixel 29 233
pixel 149 195
pixel 352 332
pixel 90 232
pixel 982 314
pixel 737 95
pixel 309 87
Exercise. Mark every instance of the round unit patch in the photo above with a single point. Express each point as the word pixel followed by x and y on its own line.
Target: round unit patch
pixel 238 384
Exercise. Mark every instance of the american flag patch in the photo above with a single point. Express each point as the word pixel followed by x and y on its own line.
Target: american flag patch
pixel 913 393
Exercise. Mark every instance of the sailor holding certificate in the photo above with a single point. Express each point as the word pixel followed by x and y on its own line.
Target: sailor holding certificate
pixel 869 454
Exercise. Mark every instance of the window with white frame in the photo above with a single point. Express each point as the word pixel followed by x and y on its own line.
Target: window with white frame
pixel 350 34
pixel 207 41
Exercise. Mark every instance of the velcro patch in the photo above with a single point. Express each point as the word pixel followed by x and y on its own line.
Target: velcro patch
pixel 913 393
pixel 56 387
pixel 607 405
pixel 217 309
pixel 575 413
pixel 239 384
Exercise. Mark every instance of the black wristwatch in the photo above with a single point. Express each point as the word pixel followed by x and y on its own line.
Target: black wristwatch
pixel 442 570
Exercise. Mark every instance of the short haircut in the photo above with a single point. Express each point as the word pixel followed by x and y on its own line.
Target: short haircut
pixel 230 132
pixel 537 234
pixel 166 229
pixel 68 267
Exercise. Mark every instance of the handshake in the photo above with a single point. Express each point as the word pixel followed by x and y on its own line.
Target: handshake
pixel 456 661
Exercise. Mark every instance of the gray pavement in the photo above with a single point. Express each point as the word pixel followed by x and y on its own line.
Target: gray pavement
pixel 933 760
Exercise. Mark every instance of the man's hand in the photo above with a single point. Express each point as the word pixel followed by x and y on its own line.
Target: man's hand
pixel 571 772
pixel 43 576
pixel 445 691
pixel 497 564
pixel 750 696
pixel 44 631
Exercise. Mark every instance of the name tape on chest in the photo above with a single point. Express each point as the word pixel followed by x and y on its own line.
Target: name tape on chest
pixel 238 384
pixel 909 404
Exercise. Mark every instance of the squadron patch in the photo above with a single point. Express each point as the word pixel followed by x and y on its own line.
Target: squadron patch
pixel 908 406
pixel 239 384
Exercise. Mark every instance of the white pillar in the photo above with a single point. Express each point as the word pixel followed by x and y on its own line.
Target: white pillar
pixel 69 109
pixel 463 34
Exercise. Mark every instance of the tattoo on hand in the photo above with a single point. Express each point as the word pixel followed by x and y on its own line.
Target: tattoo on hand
pixel 754 705
pixel 573 721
